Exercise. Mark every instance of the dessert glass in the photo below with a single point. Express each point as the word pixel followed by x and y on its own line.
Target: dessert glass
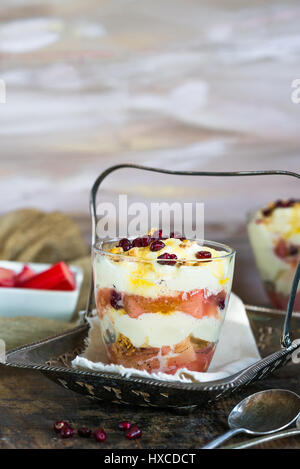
pixel 274 234
pixel 162 315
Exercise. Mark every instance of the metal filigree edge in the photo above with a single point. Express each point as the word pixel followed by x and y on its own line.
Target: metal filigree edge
pixel 247 376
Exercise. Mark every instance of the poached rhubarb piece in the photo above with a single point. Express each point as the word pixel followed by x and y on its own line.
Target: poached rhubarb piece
pixel 185 354
pixel 190 353
pixel 57 277
pixel 197 303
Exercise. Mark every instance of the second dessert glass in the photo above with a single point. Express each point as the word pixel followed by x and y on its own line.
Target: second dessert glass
pixel 274 233
pixel 162 312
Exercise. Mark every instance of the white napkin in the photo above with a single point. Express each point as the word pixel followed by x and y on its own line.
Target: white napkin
pixel 236 350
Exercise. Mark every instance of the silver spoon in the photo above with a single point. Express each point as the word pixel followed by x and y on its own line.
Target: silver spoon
pixel 262 413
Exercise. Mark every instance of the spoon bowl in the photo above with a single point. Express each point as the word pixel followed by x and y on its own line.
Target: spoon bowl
pixel 261 413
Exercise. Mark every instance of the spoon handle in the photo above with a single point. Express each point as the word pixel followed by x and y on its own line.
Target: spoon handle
pixel 220 439
pixel 264 439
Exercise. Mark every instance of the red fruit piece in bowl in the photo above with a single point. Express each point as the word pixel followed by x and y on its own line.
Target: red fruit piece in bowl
pixel 67 432
pixel 25 274
pixel 57 277
pixel 7 277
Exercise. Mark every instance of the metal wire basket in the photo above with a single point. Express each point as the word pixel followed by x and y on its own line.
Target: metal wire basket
pixel 53 356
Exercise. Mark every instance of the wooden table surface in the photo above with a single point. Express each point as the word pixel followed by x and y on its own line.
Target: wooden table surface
pixel 30 403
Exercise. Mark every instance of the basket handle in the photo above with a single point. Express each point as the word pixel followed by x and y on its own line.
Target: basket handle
pixel 286 340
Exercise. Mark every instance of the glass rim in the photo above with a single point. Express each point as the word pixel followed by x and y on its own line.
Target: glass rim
pixel 230 252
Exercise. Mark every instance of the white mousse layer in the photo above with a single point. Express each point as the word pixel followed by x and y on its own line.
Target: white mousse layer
pixel 151 279
pixel 158 330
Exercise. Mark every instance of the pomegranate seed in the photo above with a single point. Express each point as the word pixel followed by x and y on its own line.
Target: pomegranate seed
pixel 293 202
pixel 157 234
pixel 125 244
pixel 137 243
pixel 124 425
pixel 67 432
pixel 166 255
pixel 203 255
pixel 100 435
pixel 116 299
pixel 293 250
pixel 267 211
pixel 134 433
pixel 146 240
pixel 285 203
pixel 84 432
pixel 282 203
pixel 157 245
pixel 175 235
pixel 58 426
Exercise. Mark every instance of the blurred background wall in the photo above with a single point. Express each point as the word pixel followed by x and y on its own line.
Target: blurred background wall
pixel 186 84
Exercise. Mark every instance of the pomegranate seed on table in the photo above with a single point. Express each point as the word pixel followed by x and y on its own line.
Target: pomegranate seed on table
pixel 124 426
pixel 134 433
pixel 67 432
pixel 100 435
pixel 84 432
pixel 59 425
pixel 203 255
pixel 157 245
